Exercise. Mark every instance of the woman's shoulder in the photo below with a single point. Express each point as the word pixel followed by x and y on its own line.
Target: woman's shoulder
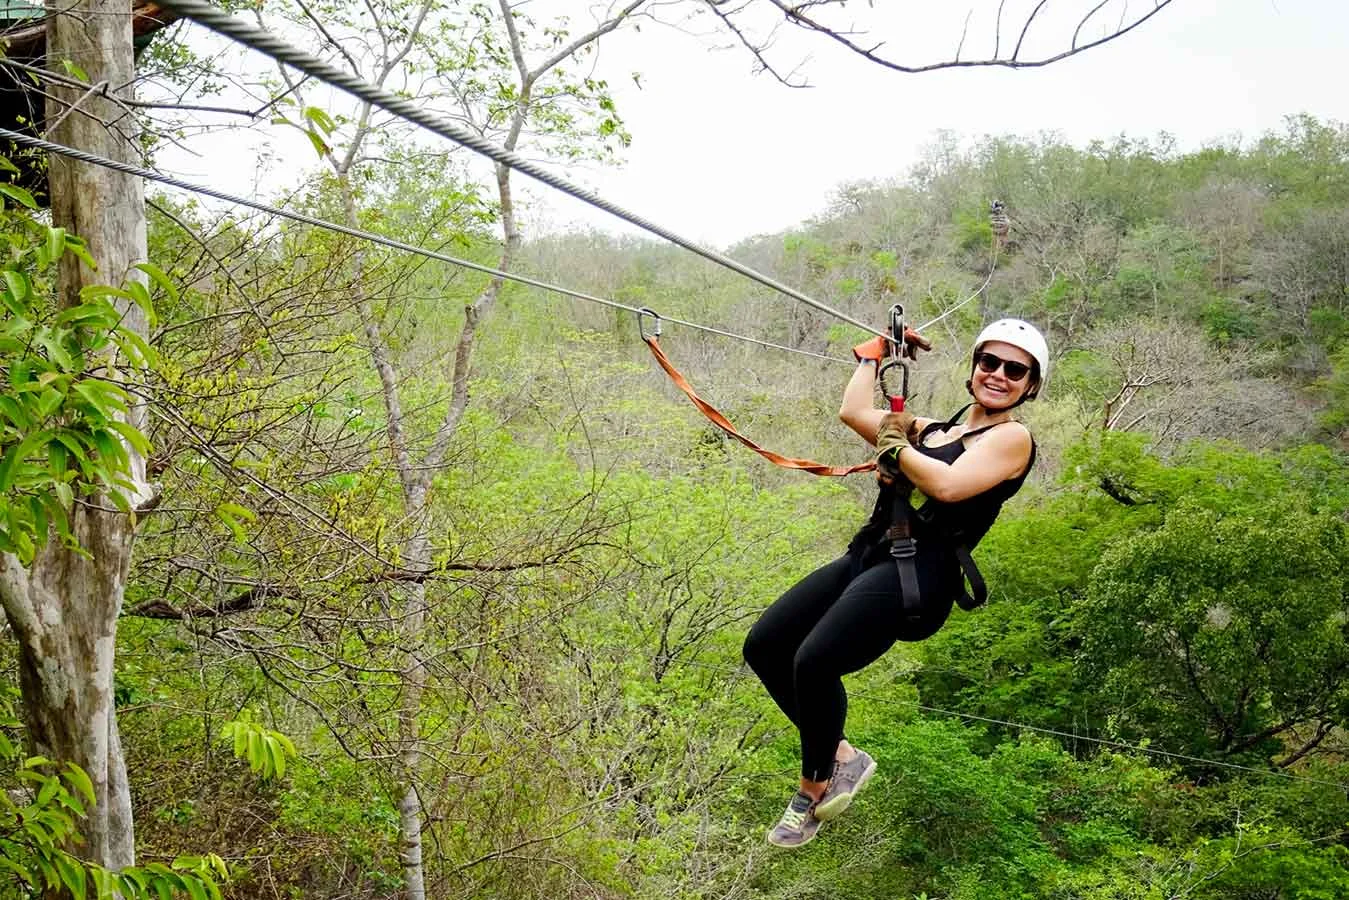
pixel 1010 437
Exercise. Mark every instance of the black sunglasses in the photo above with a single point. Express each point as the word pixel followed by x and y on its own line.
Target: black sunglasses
pixel 1013 370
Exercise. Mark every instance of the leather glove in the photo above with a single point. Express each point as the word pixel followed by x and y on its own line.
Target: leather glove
pixel 891 437
pixel 878 348
pixel 875 349
pixel 894 430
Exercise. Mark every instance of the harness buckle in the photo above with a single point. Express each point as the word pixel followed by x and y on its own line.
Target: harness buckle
pixel 903 548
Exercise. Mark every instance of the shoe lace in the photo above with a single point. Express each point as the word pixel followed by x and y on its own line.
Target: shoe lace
pixel 793 817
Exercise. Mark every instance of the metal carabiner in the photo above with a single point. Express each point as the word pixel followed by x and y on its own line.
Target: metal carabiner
pixel 642 313
pixel 895 401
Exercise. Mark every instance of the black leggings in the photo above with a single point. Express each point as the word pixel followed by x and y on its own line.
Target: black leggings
pixel 835 621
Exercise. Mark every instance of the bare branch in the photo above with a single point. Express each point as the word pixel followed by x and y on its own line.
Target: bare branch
pixel 1025 28
pixel 758 51
pixel 803 15
pixel 1095 9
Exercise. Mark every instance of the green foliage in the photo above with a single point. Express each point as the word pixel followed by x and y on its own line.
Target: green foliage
pixel 1335 388
pixel 40 810
pixel 1222 627
pixel 264 749
pixel 63 432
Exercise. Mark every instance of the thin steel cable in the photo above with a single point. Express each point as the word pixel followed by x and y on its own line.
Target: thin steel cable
pixel 740 337
pixel 128 169
pixel 1116 745
pixel 993 267
pixel 272 46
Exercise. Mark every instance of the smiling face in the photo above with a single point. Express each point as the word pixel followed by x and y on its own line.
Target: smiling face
pixel 997 389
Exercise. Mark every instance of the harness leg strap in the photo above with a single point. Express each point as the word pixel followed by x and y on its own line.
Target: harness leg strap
pixel 978 589
pixel 904 550
pixel 905 553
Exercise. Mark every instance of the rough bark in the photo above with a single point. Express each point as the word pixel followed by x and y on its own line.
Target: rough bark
pixel 64 607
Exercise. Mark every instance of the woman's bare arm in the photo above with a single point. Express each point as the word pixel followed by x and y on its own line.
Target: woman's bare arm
pixel 857 411
pixel 1001 453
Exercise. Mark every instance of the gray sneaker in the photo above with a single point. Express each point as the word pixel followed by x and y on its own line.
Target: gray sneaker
pixel 797 825
pixel 848 779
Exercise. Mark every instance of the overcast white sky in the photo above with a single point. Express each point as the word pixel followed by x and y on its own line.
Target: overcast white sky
pixel 720 153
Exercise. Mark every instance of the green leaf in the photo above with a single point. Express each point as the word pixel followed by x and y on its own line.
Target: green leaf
pixel 56 242
pixel 105 398
pixel 104 881
pixel 50 876
pixel 254 751
pixel 138 351
pixel 195 889
pixel 141 295
pixel 19 195
pixel 15 456
pixel 230 514
pixel 77 246
pixel 320 118
pixel 15 413
pixel 139 877
pixel 80 779
pixel 74 71
pixel 72 875
pixel 276 756
pixel 158 277
pixel 17 283
pixel 98 311
pixel 48 791
pixel 23 873
pixel 20 312
pixel 49 401
pixel 38 508
pixel 7 166
pixel 320 147
pixel 56 351
pixel 132 435
pixel 285 742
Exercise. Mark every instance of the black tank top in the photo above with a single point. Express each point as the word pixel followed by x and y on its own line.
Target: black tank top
pixel 964 522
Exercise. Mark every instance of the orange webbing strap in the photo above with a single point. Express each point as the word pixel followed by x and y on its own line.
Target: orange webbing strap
pixel 725 425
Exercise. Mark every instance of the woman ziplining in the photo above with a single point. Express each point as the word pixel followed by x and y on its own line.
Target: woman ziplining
pixel 905 568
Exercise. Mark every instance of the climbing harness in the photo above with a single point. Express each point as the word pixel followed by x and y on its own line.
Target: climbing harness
pixel 652 339
pixel 904 546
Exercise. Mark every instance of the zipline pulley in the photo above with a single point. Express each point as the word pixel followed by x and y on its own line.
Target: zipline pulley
pixel 900 348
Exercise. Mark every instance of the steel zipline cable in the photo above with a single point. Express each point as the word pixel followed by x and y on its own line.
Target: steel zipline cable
pixel 279 50
pixel 1054 732
pixel 126 168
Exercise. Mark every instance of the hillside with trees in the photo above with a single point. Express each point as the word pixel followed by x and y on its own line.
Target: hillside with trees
pixel 439 585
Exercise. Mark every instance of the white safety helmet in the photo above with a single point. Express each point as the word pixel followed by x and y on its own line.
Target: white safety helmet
pixel 1024 335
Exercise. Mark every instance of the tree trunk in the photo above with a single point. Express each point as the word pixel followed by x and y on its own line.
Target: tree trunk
pixel 64 608
pixel 409 716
